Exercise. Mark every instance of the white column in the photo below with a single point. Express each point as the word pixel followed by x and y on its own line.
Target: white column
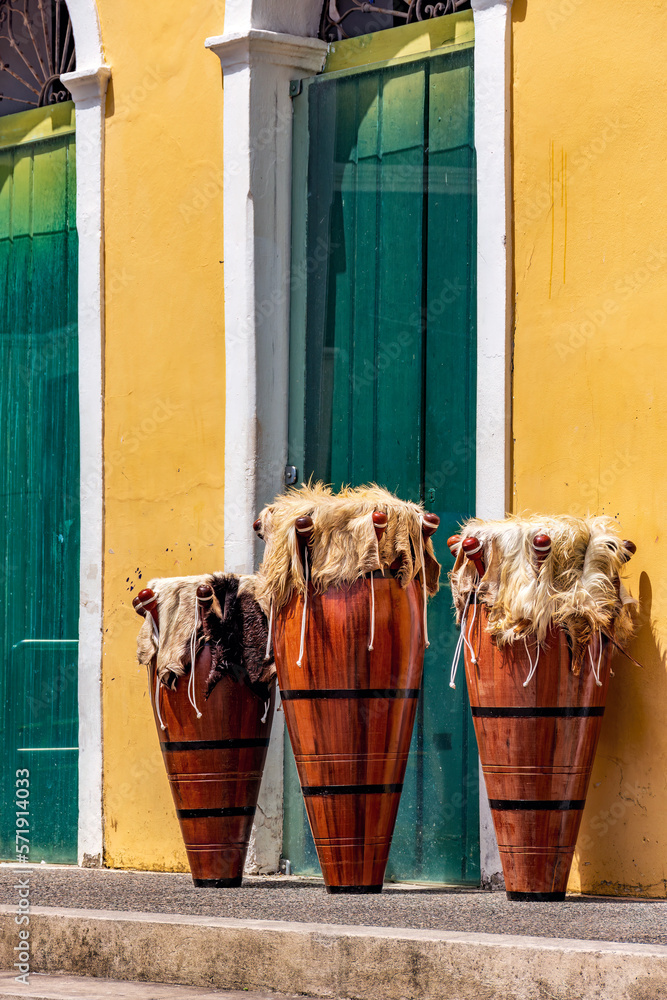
pixel 88 89
pixel 494 283
pixel 258 66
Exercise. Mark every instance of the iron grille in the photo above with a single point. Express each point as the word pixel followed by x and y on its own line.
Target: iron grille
pixel 36 47
pixel 348 18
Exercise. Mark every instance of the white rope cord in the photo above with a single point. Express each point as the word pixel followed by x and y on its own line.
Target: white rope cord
pixel 269 637
pixel 193 659
pixel 266 711
pixel 596 670
pixel 421 551
pixel 305 608
pixel 157 701
pixel 466 639
pixel 372 635
pixel 533 666
pixel 459 644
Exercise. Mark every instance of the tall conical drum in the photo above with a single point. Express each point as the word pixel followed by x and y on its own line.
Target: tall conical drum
pixel 537 746
pixel 350 725
pixel 349 637
pixel 539 616
pixel 213 725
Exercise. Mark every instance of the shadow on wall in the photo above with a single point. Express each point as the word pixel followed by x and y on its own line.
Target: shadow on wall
pixel 624 816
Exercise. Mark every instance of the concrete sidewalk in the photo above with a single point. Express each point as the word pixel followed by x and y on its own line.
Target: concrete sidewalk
pixel 289 936
pixel 41 987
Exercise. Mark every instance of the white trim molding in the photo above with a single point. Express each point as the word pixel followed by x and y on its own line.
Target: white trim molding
pixel 88 87
pixel 266 43
pixel 494 255
pixel 258 65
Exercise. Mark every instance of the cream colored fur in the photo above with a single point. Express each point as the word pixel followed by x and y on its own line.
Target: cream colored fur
pixel 344 545
pixel 575 589
pixel 176 600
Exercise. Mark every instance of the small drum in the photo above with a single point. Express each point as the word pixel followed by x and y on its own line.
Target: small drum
pixel 214 742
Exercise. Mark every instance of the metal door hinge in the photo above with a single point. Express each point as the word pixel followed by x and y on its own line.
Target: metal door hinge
pixel 290 475
pixel 295 87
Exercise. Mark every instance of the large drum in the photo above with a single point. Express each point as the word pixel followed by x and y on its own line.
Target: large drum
pixel 349 639
pixel 539 616
pixel 214 742
pixel 350 714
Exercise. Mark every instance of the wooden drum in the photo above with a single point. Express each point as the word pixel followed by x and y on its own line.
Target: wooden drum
pixel 539 614
pixel 350 713
pixel 537 746
pixel 214 764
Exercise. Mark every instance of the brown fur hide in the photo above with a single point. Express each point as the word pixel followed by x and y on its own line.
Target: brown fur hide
pixel 235 627
pixel 577 588
pixel 344 545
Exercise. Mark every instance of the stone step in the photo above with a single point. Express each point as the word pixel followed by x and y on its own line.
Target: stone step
pixel 43 987
pixel 329 960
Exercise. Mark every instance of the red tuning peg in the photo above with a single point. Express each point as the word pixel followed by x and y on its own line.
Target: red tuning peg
pixel 430 524
pixel 472 549
pixel 628 550
pixel 380 522
pixel 453 543
pixel 145 603
pixel 304 533
pixel 204 594
pixel 541 547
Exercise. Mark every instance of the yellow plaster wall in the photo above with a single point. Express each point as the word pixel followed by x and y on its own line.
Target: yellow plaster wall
pixel 590 407
pixel 164 374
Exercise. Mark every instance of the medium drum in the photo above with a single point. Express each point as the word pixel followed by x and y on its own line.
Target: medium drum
pixel 537 746
pixel 539 616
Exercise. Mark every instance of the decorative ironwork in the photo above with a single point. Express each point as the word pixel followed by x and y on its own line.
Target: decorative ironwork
pixel 348 18
pixel 36 47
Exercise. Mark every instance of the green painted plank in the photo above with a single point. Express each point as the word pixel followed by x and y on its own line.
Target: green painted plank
pixel 391 195
pixel 398 431
pixel 39 490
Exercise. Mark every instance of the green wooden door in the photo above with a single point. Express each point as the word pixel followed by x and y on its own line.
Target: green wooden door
pixel 39 479
pixel 382 361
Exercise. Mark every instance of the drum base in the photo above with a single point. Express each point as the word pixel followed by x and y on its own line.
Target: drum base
pixel 218 883
pixel 356 890
pixel 536 897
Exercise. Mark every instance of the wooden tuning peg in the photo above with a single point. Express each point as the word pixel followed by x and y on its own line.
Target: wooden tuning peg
pixel 628 549
pixel 304 533
pixel 380 522
pixel 430 524
pixel 453 543
pixel 541 548
pixel 145 603
pixel 472 549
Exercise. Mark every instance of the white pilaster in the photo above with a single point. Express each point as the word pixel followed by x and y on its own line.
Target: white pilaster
pixel 88 88
pixel 494 284
pixel 258 66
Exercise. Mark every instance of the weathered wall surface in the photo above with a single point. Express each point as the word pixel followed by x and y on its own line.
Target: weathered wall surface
pixel 590 146
pixel 164 374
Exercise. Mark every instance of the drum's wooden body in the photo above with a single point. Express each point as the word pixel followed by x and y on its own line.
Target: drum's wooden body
pixel 537 745
pixel 215 768
pixel 350 714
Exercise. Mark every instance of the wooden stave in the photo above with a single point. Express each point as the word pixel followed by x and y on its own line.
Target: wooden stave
pixel 224 778
pixel 352 858
pixel 536 845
